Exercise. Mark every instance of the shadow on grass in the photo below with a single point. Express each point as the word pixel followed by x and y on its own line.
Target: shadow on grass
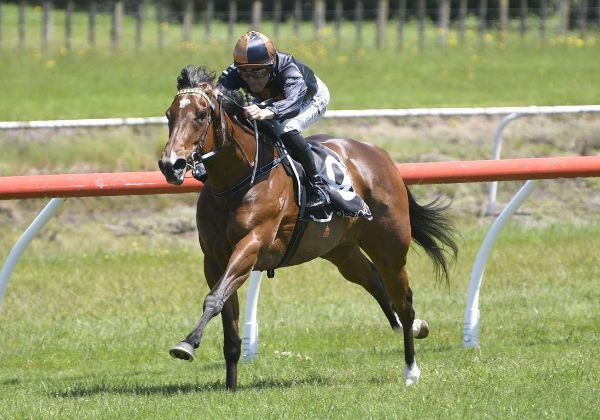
pixel 81 391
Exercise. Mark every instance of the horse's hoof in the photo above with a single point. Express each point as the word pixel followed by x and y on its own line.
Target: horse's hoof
pixel 412 374
pixel 420 329
pixel 183 351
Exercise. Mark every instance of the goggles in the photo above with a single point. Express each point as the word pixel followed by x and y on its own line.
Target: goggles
pixel 255 73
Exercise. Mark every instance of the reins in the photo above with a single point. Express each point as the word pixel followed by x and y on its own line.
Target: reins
pixel 256 137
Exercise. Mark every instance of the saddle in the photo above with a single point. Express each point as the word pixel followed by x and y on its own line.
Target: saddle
pixel 345 202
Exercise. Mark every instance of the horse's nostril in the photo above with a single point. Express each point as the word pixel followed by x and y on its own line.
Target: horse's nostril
pixel 161 166
pixel 179 165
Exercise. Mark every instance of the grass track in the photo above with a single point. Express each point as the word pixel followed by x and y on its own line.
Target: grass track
pixel 86 328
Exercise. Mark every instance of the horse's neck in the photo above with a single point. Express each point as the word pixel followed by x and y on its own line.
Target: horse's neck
pixel 235 159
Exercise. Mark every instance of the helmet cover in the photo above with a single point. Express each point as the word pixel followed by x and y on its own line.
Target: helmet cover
pixel 254 49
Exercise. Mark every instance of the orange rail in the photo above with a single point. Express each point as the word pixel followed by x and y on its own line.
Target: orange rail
pixel 142 183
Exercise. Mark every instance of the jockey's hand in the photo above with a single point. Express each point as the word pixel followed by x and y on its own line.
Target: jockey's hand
pixel 253 112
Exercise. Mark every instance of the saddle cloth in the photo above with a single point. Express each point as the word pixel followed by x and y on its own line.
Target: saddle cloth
pixel 344 200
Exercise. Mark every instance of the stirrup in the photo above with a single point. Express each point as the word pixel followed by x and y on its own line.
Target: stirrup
pixel 319 196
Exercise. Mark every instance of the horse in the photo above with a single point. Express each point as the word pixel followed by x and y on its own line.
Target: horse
pixel 246 224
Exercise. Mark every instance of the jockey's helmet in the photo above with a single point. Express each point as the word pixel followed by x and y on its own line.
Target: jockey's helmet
pixel 254 49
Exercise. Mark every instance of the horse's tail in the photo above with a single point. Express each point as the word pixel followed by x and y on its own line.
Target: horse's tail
pixel 434 232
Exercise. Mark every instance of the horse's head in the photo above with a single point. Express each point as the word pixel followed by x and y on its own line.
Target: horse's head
pixel 192 136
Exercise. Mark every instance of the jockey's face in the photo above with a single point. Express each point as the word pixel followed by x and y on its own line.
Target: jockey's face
pixel 256 78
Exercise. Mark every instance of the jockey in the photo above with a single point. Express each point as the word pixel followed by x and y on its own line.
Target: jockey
pixel 300 98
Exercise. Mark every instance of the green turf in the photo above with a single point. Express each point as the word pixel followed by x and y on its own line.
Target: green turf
pixel 86 327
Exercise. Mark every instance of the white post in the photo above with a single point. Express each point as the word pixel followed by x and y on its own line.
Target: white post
pixel 496 155
pixel 471 326
pixel 24 241
pixel 250 318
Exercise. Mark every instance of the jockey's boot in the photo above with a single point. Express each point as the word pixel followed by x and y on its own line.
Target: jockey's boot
pixel 301 151
pixel 319 195
pixel 199 172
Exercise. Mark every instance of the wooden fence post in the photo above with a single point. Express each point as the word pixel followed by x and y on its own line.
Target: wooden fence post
pixel 563 10
pixel 582 17
pixel 444 22
pixel 462 19
pixel 318 18
pixel 382 11
pixel 482 20
pixel 69 24
pixel 358 21
pixel 401 22
pixel 543 13
pixel 256 14
pixel 92 23
pixel 210 16
pixel 22 9
pixel 231 20
pixel 139 18
pixel 46 26
pixel 117 23
pixel 421 16
pixel 161 19
pixel 297 17
pixel 501 35
pixel 598 17
pixel 188 17
pixel 0 23
pixel 276 17
pixel 522 18
pixel 339 15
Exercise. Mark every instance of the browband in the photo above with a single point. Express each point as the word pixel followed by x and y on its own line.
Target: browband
pixel 198 91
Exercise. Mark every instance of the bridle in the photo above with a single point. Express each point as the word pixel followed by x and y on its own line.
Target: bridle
pixel 197 156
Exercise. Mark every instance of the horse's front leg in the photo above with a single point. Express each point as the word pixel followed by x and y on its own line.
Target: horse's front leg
pixel 223 299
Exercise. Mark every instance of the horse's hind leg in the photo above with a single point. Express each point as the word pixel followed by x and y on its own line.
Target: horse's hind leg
pixel 357 268
pixel 232 344
pixel 379 246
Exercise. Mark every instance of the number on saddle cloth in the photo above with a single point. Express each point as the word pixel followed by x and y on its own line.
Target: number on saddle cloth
pixel 344 200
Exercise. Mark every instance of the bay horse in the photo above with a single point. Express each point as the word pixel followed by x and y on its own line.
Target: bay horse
pixel 244 226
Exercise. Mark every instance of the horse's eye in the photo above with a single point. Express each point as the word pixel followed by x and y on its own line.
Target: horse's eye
pixel 168 113
pixel 200 116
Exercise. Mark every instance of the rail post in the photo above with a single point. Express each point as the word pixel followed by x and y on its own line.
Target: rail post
pixel 25 239
pixel 250 317
pixel 471 324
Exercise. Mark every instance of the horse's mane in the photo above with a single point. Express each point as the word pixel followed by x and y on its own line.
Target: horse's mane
pixel 192 76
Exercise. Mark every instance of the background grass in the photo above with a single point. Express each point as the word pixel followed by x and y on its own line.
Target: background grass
pixel 137 83
pixel 99 82
pixel 112 283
